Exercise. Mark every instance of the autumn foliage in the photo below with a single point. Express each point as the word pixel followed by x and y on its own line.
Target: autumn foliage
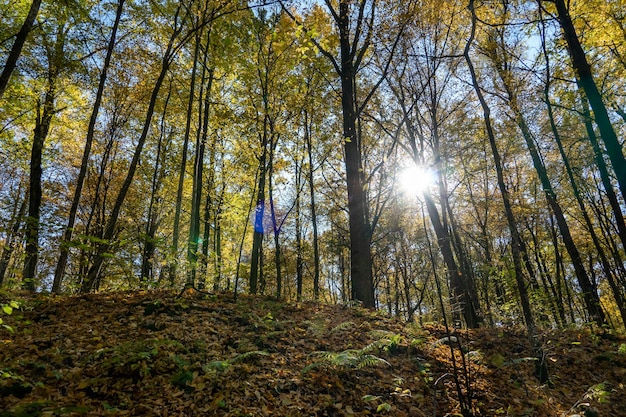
pixel 197 354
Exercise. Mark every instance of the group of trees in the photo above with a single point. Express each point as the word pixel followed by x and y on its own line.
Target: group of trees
pixel 260 146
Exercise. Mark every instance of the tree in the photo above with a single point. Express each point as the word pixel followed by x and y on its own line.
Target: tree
pixel 584 75
pixel 355 25
pixel 67 235
pixel 173 46
pixel 45 111
pixel 516 242
pixel 18 44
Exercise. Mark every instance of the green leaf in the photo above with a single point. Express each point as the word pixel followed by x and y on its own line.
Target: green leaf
pixel 383 407
pixel 7 308
pixel 369 397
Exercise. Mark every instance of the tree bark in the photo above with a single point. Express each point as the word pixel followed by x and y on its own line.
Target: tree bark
pixel 584 75
pixel 173 262
pixel 9 246
pixel 590 293
pixel 316 252
pixel 45 113
pixel 18 44
pixel 109 231
pixel 360 236
pixel 80 181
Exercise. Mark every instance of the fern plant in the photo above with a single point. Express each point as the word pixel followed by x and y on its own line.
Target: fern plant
pixel 347 360
pixel 224 365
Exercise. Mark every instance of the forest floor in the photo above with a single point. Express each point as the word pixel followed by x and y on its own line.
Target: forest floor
pixel 194 354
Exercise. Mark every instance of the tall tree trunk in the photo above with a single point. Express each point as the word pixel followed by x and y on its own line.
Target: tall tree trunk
pixel 590 294
pixel 18 44
pixel 360 236
pixel 208 210
pixel 174 263
pixel 9 246
pixel 80 181
pixel 546 280
pixel 541 371
pixel 299 257
pixel 316 252
pixel 44 116
pixel 276 226
pixel 217 240
pixel 506 200
pixel 259 216
pixel 193 248
pixel 109 231
pixel 606 266
pixel 584 76
pixel 253 199
pixel 603 171
pixel 152 217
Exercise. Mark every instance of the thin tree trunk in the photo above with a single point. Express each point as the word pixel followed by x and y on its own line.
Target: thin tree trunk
pixel 603 171
pixel 541 367
pixel 275 225
pixel 243 236
pixel 316 252
pixel 259 216
pixel 152 217
pixel 516 241
pixel 18 44
pixel 9 247
pixel 110 228
pixel 174 263
pixel 548 286
pixel 217 241
pixel 299 257
pixel 590 294
pixel 42 128
pixel 201 138
pixel 80 181
pixel 606 266
pixel 584 76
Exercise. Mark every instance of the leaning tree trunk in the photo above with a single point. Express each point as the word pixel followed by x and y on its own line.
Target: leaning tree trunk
pixel 541 370
pixel 590 293
pixel 18 44
pixel 80 181
pixel 584 76
pixel 109 231
pixel 604 172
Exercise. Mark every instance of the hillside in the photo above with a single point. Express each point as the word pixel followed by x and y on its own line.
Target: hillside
pixel 165 354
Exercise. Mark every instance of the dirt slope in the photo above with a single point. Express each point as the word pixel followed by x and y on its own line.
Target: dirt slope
pixel 161 354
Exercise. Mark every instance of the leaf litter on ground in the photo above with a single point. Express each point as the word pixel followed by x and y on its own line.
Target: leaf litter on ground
pixel 159 353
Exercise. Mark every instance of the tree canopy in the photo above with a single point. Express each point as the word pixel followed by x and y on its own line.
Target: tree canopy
pixel 454 161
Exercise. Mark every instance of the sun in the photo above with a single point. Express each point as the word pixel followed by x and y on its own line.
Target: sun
pixel 414 180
